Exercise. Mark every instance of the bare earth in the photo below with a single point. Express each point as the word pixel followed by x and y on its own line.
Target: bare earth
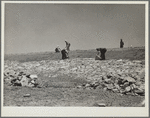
pixel 62 90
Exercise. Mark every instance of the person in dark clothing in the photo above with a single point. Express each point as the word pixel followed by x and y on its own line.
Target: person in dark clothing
pixel 64 53
pixel 57 49
pixel 100 53
pixel 121 43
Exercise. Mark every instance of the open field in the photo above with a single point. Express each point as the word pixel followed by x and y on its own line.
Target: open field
pixel 137 53
pixel 59 85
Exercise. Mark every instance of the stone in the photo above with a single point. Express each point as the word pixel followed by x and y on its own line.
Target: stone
pixel 108 81
pixel 24 81
pixel 142 87
pixel 27 95
pixel 33 76
pixel 109 75
pixel 116 81
pixel 87 85
pixel 138 91
pixel 110 86
pixel 138 83
pixel 32 81
pixel 101 104
pixel 120 60
pixel 130 79
pixel 79 86
pixel 17 83
pixel 133 86
pixel 105 89
pixel 31 85
pixel 104 78
pixel 125 84
pixel 117 86
pixel 137 61
pixel 21 73
pixel 13 80
pixel 115 90
pixel 122 91
pixel 127 89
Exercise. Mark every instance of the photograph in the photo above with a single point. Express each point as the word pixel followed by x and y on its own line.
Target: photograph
pixel 74 58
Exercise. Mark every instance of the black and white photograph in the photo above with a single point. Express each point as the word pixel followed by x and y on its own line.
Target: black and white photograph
pixel 74 58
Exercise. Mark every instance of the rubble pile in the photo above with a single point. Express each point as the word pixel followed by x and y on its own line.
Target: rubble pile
pixel 20 79
pixel 118 84
pixel 122 76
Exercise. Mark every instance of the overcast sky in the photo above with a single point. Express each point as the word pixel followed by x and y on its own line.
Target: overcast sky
pixel 41 27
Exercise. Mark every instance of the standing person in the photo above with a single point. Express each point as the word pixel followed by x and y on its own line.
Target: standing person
pixel 121 43
pixel 68 45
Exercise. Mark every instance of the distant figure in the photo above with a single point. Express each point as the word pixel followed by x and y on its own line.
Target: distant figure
pixel 64 53
pixel 121 43
pixel 67 45
pixel 101 51
pixel 57 49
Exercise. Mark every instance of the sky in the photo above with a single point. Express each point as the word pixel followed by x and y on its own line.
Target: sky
pixel 41 27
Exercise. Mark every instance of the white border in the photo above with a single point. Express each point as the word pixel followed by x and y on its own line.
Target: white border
pixel 2 52
pixel 78 111
pixel 80 2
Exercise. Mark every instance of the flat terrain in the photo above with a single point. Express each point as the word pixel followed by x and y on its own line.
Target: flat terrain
pixel 62 90
pixel 137 53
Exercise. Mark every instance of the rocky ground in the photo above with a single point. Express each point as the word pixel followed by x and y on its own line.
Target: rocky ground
pixel 75 82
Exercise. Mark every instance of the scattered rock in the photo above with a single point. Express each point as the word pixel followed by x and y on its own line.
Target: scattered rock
pixel 128 89
pixel 139 92
pixel 121 76
pixel 33 76
pixel 27 95
pixel 21 79
pixel 87 85
pixel 101 105
pixel 110 86
pixel 79 86
pixel 130 79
